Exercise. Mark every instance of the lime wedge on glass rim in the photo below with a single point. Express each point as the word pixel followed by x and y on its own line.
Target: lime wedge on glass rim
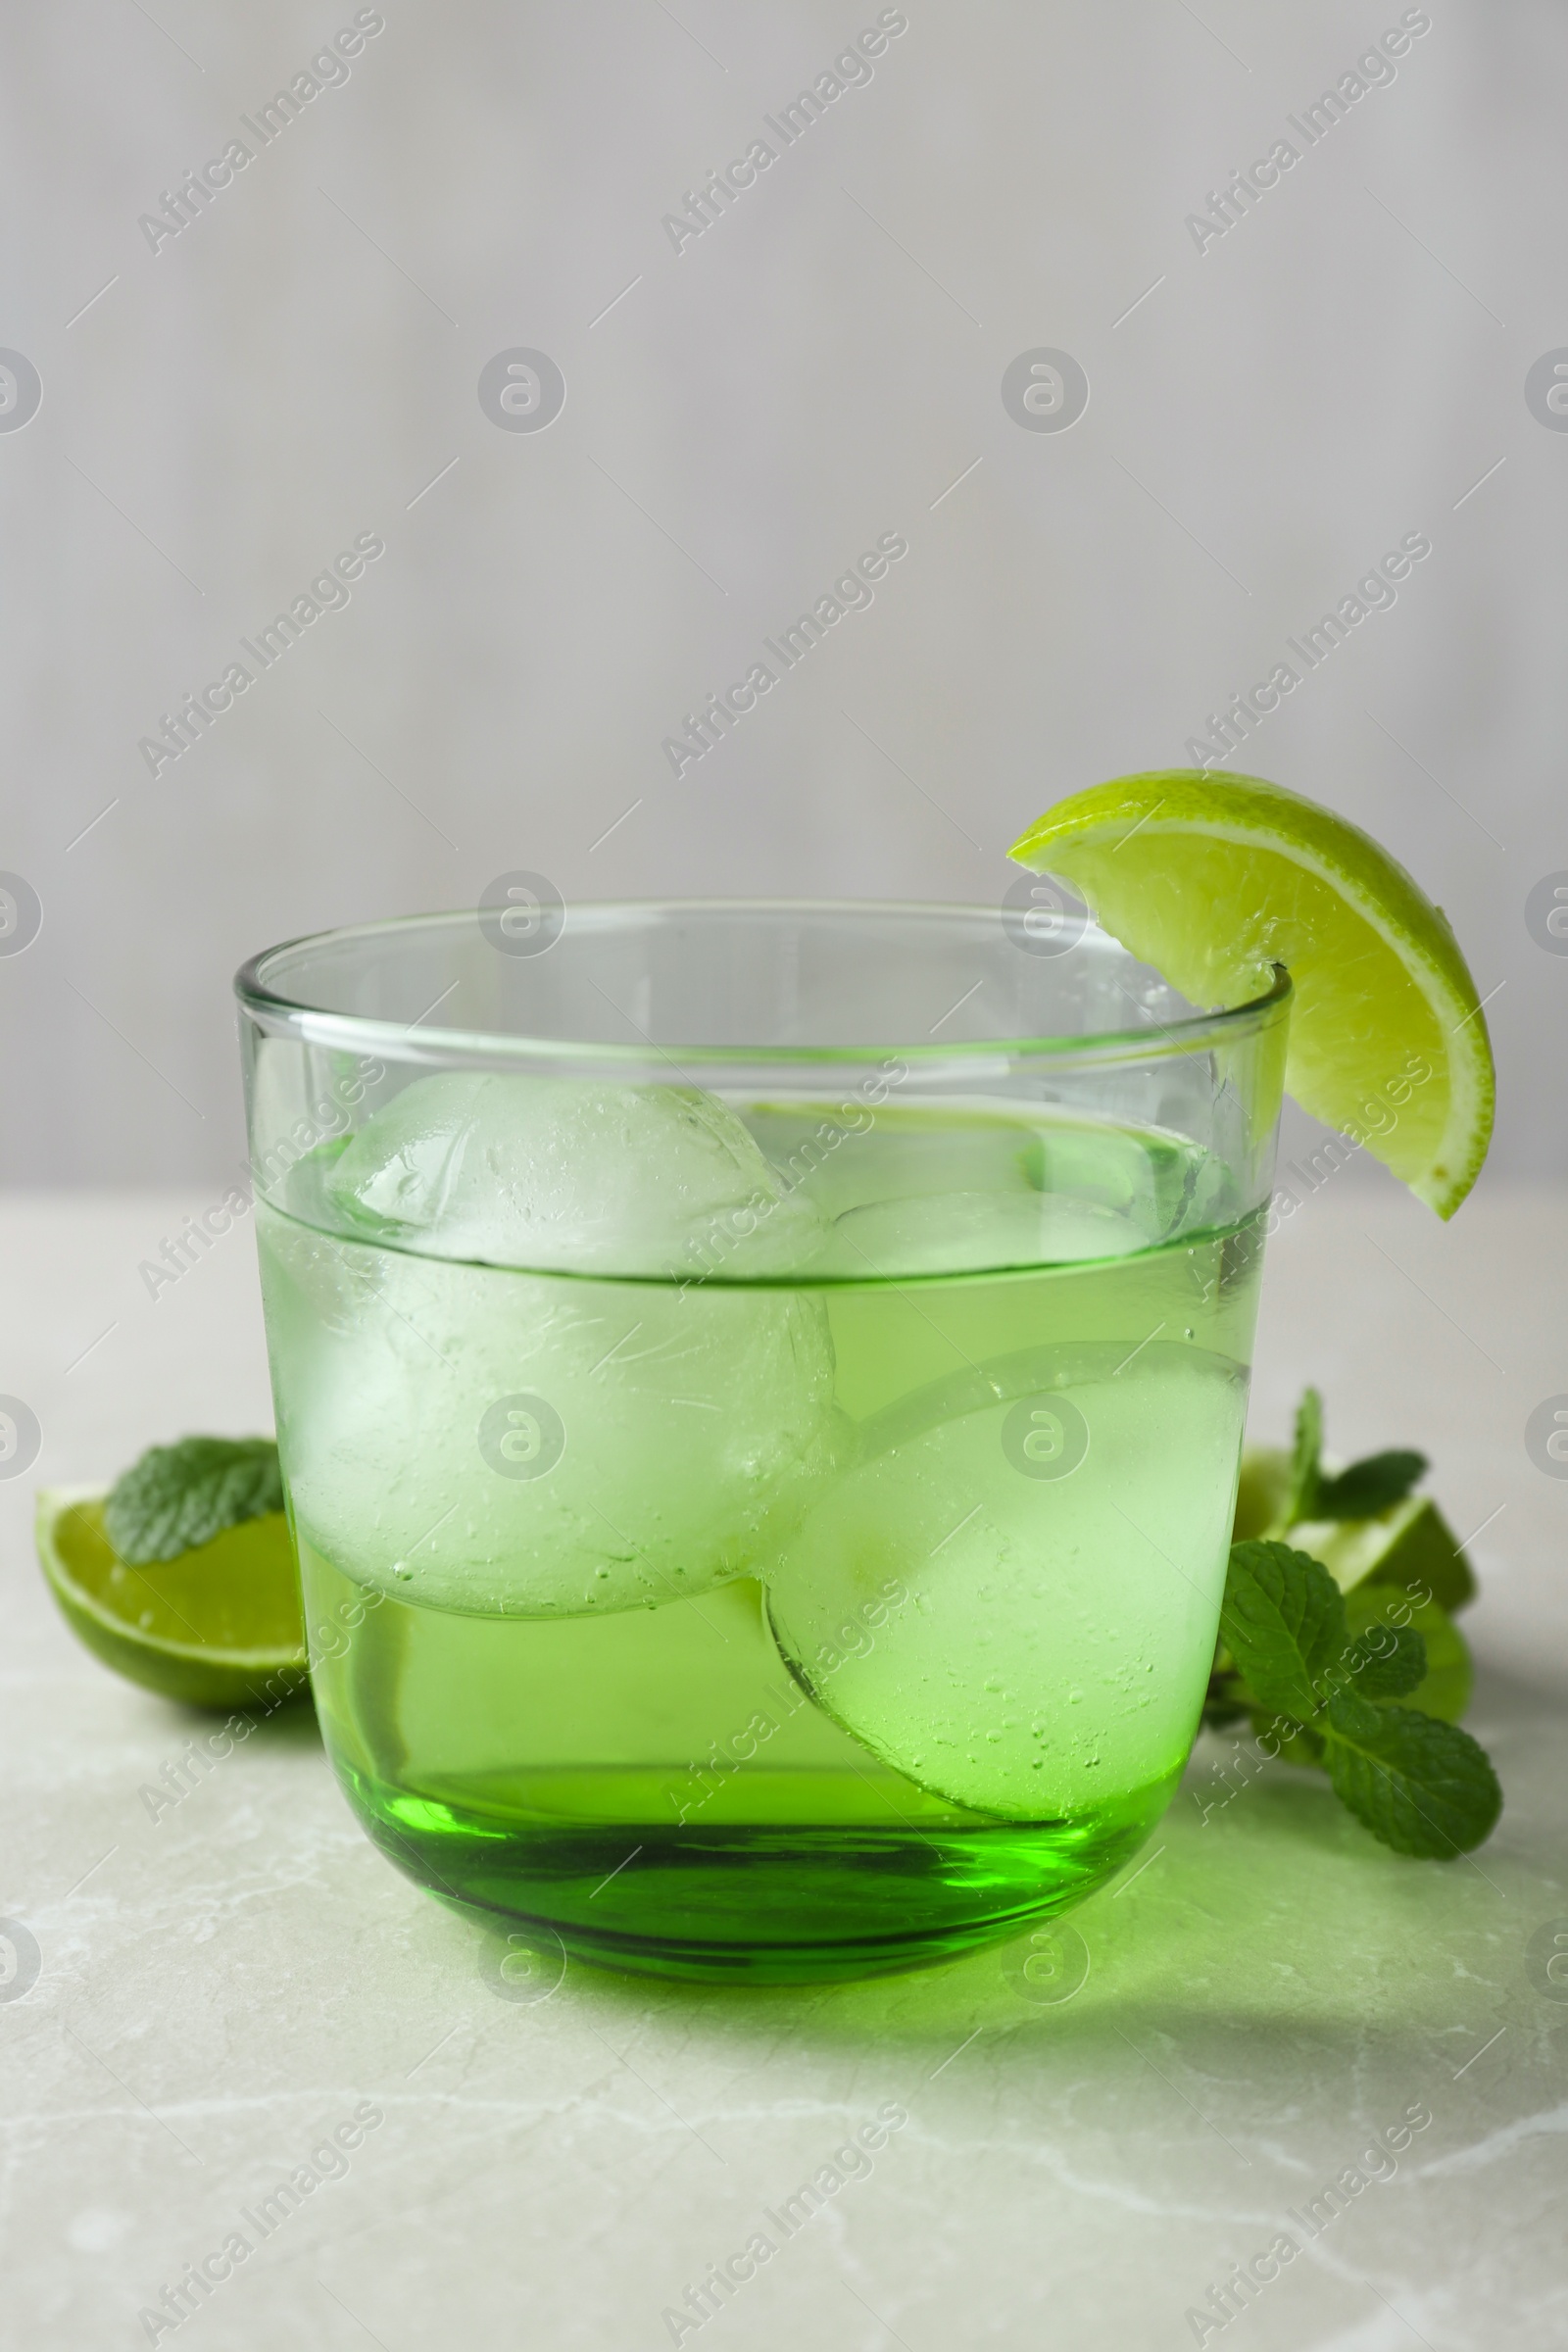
pixel 1215 879
pixel 218 1625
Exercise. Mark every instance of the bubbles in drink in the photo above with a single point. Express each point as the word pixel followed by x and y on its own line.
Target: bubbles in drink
pixel 1043 1590
pixel 536 1445
pixel 961 1387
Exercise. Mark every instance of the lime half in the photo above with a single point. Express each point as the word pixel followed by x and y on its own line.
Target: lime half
pixel 1214 879
pixel 215 1626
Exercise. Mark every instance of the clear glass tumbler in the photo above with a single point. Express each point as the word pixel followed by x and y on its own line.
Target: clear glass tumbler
pixel 759 1390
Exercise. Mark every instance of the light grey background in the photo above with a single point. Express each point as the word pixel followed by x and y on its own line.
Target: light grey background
pixel 823 366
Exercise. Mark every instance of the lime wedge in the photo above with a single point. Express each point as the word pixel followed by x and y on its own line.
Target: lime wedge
pixel 1215 879
pixel 216 1627
pixel 1410 1544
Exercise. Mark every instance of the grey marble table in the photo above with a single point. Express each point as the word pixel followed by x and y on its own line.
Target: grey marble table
pixel 241 1992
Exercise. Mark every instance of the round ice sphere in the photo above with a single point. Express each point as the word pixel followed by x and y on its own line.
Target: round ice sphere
pixel 1012 1596
pixel 573 1175
pixel 951 1233
pixel 464 1426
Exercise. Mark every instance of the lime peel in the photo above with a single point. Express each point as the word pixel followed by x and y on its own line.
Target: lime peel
pixel 217 1626
pixel 1213 880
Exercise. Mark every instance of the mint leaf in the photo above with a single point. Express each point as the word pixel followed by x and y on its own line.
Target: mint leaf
pixel 1305 1476
pixel 1317 1676
pixel 1367 1486
pixel 1385 1662
pixel 1445 1691
pixel 1422 1787
pixel 1372 1485
pixel 176 1496
pixel 1283 1621
pixel 1292 1742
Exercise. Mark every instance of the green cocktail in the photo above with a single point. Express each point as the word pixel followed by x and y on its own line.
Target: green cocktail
pixel 765 1526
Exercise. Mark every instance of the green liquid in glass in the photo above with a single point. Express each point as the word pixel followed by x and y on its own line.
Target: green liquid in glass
pixel 955 1683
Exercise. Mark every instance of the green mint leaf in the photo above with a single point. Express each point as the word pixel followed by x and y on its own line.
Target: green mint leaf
pixel 1283 1621
pixel 1367 1486
pixel 1445 1691
pixel 1422 1787
pixel 177 1497
pixel 1305 1476
pixel 1385 1661
pixel 1293 1742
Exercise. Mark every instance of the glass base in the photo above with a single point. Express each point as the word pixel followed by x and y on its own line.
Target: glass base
pixel 791 1896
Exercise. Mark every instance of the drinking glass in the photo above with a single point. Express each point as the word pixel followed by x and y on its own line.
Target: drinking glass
pixel 759 1390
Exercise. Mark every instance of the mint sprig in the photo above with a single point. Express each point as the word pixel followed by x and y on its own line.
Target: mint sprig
pixel 177 1497
pixel 1424 1787
pixel 1283 1621
pixel 1306 1471
pixel 1374 1484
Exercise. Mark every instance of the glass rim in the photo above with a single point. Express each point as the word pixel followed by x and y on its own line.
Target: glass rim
pixel 318 1025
